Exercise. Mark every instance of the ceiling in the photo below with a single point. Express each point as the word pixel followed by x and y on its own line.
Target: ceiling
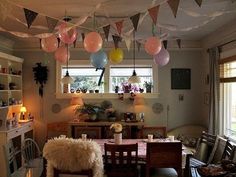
pixel 192 22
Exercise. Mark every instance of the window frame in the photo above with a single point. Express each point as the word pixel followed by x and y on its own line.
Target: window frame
pixel 125 63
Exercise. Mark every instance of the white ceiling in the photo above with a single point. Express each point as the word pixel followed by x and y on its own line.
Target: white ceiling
pixel 185 26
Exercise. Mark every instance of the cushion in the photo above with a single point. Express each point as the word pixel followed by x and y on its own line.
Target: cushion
pixel 188 140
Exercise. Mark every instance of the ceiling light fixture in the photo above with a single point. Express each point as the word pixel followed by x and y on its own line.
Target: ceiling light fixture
pixel 134 78
pixel 67 79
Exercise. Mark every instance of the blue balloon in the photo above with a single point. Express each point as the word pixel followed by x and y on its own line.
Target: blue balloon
pixel 98 59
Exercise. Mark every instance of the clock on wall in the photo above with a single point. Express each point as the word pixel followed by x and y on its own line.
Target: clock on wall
pixel 157 108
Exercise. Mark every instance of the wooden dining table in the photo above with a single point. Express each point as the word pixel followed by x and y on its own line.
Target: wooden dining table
pixel 142 144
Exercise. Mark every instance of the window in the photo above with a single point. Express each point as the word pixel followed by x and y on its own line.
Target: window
pixel 86 76
pixel 120 75
pixel 228 95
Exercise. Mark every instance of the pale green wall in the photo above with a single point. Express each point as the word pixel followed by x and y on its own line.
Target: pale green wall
pixel 189 111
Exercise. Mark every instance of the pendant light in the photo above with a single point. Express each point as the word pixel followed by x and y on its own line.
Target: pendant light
pixel 67 79
pixel 134 78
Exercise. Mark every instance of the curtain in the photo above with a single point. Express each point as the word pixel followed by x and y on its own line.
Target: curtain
pixel 214 55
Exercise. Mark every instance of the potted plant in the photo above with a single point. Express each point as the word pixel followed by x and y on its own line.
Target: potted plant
pixel 89 109
pixel 148 86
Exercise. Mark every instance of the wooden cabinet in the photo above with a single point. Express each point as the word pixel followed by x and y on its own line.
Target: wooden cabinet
pixel 17 135
pixel 130 130
pixel 10 80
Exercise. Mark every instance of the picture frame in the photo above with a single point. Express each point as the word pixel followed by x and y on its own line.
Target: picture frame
pixel 206 98
pixel 181 78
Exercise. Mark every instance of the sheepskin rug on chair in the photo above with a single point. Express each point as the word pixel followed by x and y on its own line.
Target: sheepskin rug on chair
pixel 73 155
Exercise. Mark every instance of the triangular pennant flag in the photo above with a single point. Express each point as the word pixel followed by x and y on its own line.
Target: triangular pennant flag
pixel 83 36
pixel 165 43
pixel 74 43
pixel 138 45
pixel 119 26
pixel 127 42
pixel 59 40
pixel 51 23
pixel 40 40
pixel 153 12
pixel 135 20
pixel 106 30
pixel 174 4
pixel 179 43
pixel 116 40
pixel 30 16
pixel 199 2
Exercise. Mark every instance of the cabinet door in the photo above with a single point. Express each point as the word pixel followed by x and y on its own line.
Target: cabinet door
pixel 92 132
pixel 17 145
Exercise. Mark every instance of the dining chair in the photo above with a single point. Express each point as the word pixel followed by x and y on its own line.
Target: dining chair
pixel 158 132
pixel 165 158
pixel 121 160
pixel 32 155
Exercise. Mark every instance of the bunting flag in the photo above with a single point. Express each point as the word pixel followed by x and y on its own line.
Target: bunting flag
pixel 138 45
pixel 59 41
pixel 165 42
pixel 153 12
pixel 30 16
pixel 116 40
pixel 51 22
pixel 119 26
pixel 74 43
pixel 199 2
pixel 179 43
pixel 174 4
pixel 106 30
pixel 127 42
pixel 83 36
pixel 135 20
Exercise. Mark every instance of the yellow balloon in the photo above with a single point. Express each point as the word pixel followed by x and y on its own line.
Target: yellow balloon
pixel 116 55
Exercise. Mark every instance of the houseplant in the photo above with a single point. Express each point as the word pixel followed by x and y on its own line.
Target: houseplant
pixel 148 86
pixel 89 109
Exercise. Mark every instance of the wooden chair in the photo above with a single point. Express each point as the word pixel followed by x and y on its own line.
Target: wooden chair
pixel 121 160
pixel 88 173
pixel 158 132
pixel 56 129
pixel 92 132
pixel 32 154
pixel 229 151
pixel 165 155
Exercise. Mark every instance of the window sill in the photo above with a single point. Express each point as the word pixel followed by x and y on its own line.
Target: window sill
pixel 103 95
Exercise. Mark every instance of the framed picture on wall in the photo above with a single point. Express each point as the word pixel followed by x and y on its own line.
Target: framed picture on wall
pixel 180 78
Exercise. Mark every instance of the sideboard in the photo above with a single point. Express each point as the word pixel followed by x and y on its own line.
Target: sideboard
pixel 130 129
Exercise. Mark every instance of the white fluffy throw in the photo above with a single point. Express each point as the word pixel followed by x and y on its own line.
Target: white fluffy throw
pixel 73 155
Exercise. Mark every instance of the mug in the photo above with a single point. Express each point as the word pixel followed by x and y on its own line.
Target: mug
pixel 171 138
pixel 150 137
pixel 84 136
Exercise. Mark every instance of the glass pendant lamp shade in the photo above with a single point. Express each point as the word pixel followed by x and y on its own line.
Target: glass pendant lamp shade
pixel 134 78
pixel 67 79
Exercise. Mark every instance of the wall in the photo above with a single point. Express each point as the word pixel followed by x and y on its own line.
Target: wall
pixel 189 111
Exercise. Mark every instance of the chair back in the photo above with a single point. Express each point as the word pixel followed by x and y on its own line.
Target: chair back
pixel 121 160
pixel 157 132
pixel 229 151
pixel 205 146
pixel 164 155
pixel 30 150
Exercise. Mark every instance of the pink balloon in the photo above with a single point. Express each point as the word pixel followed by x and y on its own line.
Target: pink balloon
pixel 67 37
pixel 162 58
pixel 153 45
pixel 49 44
pixel 61 54
pixel 93 42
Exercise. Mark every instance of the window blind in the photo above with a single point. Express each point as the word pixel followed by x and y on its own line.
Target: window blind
pixel 228 69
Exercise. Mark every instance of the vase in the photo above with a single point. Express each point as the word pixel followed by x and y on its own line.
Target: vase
pixel 118 138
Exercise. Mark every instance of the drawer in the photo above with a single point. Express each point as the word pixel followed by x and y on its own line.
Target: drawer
pixel 14 133
pixel 27 127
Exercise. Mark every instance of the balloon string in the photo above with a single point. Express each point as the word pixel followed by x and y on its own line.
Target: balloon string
pixel 134 47
pixel 153 29
pixel 67 62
